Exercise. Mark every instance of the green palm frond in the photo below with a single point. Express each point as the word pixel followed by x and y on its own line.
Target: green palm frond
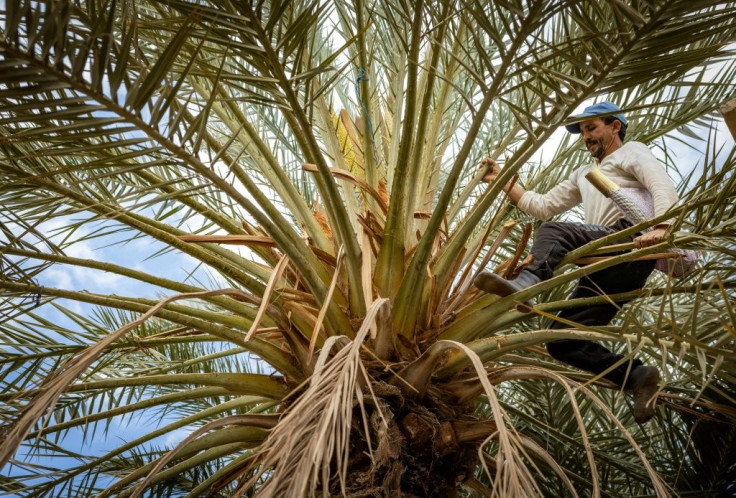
pixel 229 184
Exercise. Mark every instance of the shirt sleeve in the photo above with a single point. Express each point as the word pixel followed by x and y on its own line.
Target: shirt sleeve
pixel 649 172
pixel 560 198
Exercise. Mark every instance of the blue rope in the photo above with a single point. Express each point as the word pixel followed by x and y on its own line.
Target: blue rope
pixel 363 77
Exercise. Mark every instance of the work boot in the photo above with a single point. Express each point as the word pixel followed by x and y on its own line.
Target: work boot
pixel 643 384
pixel 496 284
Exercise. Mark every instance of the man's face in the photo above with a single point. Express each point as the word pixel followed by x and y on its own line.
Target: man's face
pixel 600 138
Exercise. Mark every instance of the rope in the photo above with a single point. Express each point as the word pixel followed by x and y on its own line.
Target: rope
pixel 369 123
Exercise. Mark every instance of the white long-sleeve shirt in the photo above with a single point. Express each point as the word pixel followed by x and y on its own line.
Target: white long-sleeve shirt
pixel 631 166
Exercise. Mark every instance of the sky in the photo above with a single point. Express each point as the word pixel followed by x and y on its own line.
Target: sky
pixel 136 254
pixel 177 266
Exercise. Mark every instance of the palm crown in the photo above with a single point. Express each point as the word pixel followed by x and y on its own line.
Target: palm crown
pixel 318 162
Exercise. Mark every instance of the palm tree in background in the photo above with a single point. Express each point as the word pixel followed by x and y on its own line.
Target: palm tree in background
pixel 317 163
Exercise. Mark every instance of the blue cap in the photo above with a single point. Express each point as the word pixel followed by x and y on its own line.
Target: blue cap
pixel 601 109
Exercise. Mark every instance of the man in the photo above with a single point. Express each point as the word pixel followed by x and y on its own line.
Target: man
pixel 631 165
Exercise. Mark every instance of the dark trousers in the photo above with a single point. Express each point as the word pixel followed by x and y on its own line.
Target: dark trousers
pixel 553 241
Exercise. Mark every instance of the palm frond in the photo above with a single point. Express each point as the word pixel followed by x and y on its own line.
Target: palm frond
pixel 319 160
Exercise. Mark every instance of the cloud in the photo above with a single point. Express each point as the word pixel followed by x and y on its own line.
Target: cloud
pixel 175 437
pixel 58 277
pixel 70 277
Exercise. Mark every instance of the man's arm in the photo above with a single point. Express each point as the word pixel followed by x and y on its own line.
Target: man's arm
pixel 656 235
pixel 650 173
pixel 558 199
pixel 492 170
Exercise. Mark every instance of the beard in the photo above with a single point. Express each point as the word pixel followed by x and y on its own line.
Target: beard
pixel 596 147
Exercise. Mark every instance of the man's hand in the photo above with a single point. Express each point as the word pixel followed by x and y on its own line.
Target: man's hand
pixel 490 168
pixel 655 236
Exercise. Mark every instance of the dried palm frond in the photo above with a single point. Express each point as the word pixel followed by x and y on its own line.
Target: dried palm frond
pixel 310 442
pixel 318 156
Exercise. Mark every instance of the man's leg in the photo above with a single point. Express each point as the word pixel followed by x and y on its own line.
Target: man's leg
pixel 593 357
pixel 552 242
pixel 555 239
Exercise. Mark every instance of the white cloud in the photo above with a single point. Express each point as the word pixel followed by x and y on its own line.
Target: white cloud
pixel 58 277
pixel 81 250
pixel 175 437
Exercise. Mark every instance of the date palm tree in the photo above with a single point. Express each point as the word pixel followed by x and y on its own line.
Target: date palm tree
pixel 314 164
